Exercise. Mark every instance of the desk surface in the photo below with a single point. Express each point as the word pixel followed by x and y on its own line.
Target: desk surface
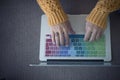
pixel 19 43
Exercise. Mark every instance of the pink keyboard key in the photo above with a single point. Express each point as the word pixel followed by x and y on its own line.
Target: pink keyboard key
pixel 48 52
pixel 50 44
pixel 47 47
pixel 48 40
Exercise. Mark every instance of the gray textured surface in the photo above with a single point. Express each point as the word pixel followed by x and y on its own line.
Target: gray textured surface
pixel 19 43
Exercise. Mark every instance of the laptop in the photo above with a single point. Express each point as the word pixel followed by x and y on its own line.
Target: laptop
pixel 78 49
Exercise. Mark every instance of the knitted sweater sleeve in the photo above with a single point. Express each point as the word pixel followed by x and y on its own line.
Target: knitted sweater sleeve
pixel 53 10
pixel 99 14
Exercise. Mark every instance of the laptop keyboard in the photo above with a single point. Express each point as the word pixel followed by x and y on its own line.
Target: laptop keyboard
pixel 77 47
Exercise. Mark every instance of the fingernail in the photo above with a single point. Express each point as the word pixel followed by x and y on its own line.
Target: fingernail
pixel 62 44
pixel 58 46
pixel 85 40
pixel 53 42
pixel 66 45
pixel 91 40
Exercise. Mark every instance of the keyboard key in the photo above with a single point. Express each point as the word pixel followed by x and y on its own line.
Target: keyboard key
pixel 76 36
pixel 78 52
pixel 79 44
pixel 48 40
pixel 77 40
pixel 48 52
pixel 80 48
pixel 76 48
pixel 82 52
pixel 73 40
pixel 74 44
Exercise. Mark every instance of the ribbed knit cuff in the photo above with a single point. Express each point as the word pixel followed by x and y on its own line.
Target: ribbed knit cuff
pixel 99 18
pixel 57 17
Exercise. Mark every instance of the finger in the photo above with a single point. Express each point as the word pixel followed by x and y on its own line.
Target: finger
pixel 57 39
pixel 99 34
pixel 66 37
pixel 70 29
pixel 93 36
pixel 61 38
pixel 53 37
pixel 87 34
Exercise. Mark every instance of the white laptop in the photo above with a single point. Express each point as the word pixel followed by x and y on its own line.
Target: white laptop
pixel 78 48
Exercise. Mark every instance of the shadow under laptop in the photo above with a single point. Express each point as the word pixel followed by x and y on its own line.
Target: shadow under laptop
pixel 94 63
pixel 80 63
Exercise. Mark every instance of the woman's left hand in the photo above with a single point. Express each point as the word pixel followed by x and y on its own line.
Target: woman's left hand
pixel 93 32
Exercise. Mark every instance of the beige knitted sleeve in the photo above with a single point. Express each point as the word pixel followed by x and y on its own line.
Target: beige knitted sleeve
pixel 99 14
pixel 53 10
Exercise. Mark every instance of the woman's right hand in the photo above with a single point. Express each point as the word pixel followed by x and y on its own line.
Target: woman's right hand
pixel 60 33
